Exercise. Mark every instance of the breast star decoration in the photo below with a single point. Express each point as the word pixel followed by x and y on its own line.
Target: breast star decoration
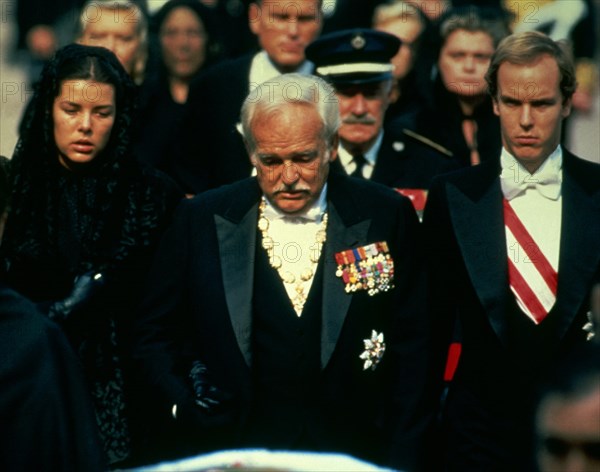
pixel 589 327
pixel 374 350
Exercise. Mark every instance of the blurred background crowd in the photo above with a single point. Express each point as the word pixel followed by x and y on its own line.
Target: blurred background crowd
pixel 173 107
pixel 218 30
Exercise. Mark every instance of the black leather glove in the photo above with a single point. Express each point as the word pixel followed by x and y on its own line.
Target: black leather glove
pixel 84 288
pixel 207 396
pixel 209 408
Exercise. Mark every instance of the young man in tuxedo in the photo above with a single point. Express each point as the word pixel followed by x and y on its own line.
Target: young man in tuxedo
pixel 514 249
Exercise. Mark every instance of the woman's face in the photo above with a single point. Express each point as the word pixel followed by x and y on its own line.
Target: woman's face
pixel 183 41
pixel 464 60
pixel 116 30
pixel 83 113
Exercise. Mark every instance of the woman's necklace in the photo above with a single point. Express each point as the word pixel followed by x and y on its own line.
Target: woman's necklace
pixel 298 280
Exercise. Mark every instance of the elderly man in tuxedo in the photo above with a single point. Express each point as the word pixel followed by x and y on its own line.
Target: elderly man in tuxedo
pixel 296 296
pixel 515 250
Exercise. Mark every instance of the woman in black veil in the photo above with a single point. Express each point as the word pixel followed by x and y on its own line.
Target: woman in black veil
pixel 84 219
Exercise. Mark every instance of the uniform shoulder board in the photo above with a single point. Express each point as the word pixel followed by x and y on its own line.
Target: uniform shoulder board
pixel 428 142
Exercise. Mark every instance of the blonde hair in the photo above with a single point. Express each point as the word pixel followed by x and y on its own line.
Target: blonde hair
pixel 526 47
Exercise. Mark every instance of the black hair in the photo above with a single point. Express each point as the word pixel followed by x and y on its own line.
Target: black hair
pixel 110 211
pixel 4 184
pixel 213 45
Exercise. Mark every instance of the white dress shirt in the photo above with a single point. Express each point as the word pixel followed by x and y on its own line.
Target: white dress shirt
pixel 263 69
pixel 540 211
pixel 539 214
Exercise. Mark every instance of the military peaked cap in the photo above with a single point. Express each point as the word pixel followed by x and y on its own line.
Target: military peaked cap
pixel 354 56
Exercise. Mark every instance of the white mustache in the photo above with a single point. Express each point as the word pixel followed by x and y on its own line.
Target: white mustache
pixel 290 188
pixel 359 121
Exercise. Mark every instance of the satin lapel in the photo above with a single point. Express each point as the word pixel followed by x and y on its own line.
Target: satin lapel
pixel 335 299
pixel 579 249
pixel 237 243
pixel 479 227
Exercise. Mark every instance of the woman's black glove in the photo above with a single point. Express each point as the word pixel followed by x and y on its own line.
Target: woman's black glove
pixel 84 288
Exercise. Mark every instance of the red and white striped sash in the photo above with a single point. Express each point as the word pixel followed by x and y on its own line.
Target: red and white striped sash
pixel 534 282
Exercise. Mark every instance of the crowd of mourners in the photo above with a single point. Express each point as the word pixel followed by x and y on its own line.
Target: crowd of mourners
pixel 340 226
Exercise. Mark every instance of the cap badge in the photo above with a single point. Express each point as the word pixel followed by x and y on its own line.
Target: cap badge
pixel 358 41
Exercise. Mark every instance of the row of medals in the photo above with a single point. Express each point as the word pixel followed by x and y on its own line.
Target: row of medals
pixel 375 273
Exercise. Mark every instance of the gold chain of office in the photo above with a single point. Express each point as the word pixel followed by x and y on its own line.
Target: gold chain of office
pixel 275 261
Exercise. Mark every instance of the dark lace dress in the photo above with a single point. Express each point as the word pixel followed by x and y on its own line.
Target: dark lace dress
pixel 66 226
pixel 44 271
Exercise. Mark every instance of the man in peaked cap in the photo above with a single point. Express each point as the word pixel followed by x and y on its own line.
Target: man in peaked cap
pixel 358 64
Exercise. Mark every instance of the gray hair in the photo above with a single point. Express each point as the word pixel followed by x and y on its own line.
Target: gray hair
pixel 291 89
pixel 131 13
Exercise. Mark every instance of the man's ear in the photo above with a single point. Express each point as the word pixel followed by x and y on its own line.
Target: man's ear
pixel 240 130
pixel 333 150
pixel 249 152
pixel 391 89
pixel 566 107
pixel 496 107
pixel 254 13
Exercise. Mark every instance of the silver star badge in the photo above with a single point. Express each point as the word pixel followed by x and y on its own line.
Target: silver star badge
pixel 589 327
pixel 374 350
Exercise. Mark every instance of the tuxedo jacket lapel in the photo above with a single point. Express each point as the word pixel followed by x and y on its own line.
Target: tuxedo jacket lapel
pixel 236 233
pixel 344 230
pixel 477 216
pixel 476 212
pixel 580 242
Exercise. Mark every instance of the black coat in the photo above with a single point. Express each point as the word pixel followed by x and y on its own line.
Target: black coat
pixel 46 413
pixel 210 151
pixel 201 291
pixel 158 124
pixel 441 121
pixel 490 400
pixel 404 162
pixel 99 330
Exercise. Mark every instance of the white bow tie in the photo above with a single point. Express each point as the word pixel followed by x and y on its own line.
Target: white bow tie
pixel 546 183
